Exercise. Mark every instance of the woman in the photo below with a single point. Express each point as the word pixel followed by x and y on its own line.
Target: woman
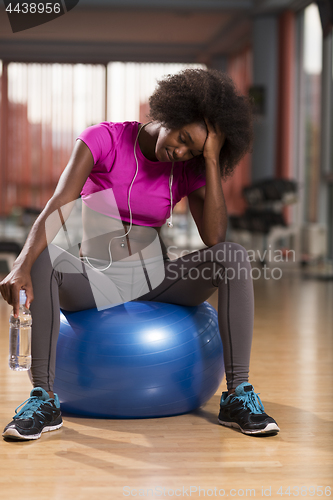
pixel 200 129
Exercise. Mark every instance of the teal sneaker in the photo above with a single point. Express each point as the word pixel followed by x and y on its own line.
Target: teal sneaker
pixel 40 414
pixel 245 411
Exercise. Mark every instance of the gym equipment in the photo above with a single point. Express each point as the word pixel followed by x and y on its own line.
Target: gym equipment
pixel 138 360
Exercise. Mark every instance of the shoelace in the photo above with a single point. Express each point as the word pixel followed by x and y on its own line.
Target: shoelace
pixel 31 407
pixel 252 401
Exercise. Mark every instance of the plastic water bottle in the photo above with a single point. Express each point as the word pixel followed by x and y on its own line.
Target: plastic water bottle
pixel 20 337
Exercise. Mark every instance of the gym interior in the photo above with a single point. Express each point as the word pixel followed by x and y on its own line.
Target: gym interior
pixel 99 61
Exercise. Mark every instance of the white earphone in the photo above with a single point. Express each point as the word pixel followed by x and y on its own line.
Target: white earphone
pixel 169 220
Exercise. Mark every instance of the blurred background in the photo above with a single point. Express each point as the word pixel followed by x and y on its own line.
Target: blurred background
pixel 101 61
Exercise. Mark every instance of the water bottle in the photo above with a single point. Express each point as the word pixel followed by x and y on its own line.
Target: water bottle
pixel 20 337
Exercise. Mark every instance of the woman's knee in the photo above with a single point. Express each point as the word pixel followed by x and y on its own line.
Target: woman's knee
pixel 228 252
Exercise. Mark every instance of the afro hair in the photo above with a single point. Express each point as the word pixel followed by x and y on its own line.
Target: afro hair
pixel 197 94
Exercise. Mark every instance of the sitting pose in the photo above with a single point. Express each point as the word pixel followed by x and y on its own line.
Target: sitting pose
pixel 199 130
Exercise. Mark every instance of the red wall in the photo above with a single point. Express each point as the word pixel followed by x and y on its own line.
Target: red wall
pixel 240 70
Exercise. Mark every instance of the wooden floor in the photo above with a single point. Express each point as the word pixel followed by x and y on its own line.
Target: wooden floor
pixel 291 367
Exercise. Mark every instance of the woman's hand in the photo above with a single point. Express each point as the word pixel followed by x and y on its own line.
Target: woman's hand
pixel 214 142
pixel 11 285
pixel 207 204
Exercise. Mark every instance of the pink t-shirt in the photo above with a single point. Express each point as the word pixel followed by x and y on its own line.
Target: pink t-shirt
pixel 112 147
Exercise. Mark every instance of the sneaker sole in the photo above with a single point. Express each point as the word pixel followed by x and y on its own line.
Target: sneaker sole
pixel 12 433
pixel 269 429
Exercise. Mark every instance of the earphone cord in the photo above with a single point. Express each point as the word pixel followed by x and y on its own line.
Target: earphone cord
pixel 169 221
pixel 129 206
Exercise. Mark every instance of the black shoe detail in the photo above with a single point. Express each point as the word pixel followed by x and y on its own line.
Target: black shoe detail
pixel 235 412
pixel 46 417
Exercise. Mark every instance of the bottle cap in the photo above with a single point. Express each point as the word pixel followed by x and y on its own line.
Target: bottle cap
pixel 23 297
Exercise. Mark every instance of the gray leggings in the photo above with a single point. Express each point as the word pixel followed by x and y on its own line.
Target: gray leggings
pixel 189 281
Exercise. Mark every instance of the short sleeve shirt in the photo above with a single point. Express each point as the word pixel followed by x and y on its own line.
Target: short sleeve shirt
pixel 112 147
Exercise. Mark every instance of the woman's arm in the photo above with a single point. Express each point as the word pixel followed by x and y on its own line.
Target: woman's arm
pixel 68 189
pixel 207 204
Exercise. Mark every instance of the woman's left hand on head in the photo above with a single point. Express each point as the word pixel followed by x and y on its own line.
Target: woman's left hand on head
pixel 214 142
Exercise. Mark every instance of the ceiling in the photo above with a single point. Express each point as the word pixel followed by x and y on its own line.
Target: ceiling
pixel 99 31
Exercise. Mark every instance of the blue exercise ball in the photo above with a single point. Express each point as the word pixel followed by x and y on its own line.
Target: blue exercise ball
pixel 138 360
